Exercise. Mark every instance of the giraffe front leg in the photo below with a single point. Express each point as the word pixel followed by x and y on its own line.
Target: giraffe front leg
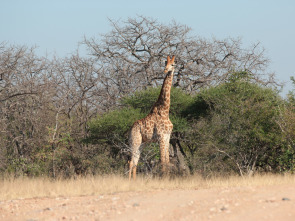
pixel 164 152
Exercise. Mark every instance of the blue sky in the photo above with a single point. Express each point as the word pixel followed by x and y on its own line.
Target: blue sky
pixel 57 26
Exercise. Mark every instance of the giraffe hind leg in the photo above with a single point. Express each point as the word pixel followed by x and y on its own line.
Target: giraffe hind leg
pixel 134 160
pixel 135 140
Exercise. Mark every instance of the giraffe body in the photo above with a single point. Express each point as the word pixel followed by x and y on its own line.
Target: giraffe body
pixel 156 126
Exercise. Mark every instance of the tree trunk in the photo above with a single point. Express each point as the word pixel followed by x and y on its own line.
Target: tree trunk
pixel 181 165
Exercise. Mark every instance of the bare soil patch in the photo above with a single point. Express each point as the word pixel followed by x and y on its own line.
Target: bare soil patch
pixel 265 202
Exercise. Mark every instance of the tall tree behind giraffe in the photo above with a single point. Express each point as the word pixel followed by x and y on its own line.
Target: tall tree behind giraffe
pixel 156 126
pixel 130 57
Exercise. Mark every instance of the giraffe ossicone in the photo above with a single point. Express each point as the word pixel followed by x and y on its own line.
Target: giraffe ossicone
pixel 156 126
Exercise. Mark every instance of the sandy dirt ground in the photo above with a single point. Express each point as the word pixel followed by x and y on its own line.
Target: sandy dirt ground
pixel 235 203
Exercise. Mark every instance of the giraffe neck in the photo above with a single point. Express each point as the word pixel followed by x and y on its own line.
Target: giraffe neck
pixel 163 102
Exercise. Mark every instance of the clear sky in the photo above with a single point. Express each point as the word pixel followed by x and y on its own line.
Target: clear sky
pixel 57 26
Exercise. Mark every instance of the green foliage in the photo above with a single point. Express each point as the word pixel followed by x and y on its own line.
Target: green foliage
pixel 23 166
pixel 238 121
pixel 286 159
pixel 114 123
pixel 142 100
pixel 287 124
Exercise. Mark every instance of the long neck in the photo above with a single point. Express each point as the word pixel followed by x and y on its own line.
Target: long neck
pixel 163 101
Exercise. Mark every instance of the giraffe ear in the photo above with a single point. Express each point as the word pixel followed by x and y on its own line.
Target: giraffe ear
pixel 173 58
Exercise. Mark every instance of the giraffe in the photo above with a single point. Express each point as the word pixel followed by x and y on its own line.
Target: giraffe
pixel 156 126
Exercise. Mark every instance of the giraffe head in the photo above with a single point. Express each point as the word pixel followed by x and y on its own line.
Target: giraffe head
pixel 170 63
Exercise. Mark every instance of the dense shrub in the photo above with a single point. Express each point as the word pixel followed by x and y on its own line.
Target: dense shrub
pixel 236 127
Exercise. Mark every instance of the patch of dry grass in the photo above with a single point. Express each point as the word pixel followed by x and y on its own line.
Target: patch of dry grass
pixel 11 188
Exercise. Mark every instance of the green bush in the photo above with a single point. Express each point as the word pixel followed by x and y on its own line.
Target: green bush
pixel 235 124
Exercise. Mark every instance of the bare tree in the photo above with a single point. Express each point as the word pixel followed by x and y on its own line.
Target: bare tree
pixel 132 56
pixel 23 115
pixel 45 105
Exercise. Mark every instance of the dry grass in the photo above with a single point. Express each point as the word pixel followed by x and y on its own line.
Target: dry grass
pixel 11 188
